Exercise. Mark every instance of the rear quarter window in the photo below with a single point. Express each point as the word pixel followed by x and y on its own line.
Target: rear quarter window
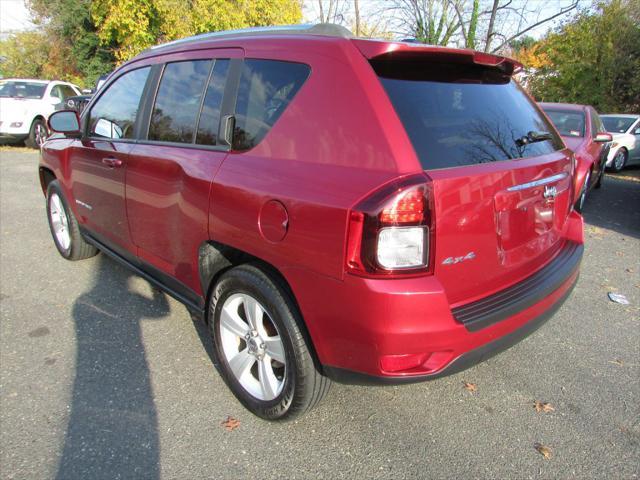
pixel 266 88
pixel 458 115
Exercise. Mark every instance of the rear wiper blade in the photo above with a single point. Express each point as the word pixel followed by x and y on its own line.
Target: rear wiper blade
pixel 533 137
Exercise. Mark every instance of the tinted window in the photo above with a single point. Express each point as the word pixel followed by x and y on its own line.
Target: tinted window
pixel 22 89
pixel 178 101
pixel 617 124
pixel 114 114
pixel 266 88
pixel 569 123
pixel 210 115
pixel 462 115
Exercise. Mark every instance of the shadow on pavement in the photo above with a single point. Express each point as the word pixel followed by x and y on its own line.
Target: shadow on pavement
pixel 112 429
pixel 616 206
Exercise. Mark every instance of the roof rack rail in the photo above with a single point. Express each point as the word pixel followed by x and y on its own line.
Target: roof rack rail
pixel 325 29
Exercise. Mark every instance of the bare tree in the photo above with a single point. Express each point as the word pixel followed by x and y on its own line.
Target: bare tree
pixel 488 25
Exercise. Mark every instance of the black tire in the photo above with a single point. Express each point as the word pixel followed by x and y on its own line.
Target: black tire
pixel 579 205
pixel 622 161
pixel 78 248
pixel 303 386
pixel 35 138
pixel 600 177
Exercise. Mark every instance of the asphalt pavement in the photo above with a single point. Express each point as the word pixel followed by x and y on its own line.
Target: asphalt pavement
pixel 102 376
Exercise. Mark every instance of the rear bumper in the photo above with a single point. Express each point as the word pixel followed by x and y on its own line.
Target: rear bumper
pixel 464 361
pixel 403 330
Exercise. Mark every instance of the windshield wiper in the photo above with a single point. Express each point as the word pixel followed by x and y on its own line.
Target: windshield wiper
pixel 533 137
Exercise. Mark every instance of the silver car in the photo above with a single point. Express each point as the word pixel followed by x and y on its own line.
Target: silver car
pixel 625 149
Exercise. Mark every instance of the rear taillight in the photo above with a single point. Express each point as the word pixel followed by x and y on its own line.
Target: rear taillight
pixel 391 231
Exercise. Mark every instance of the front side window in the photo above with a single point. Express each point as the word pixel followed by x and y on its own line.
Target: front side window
pixel 266 89
pixel 178 101
pixel 114 114
pixel 458 115
pixel 570 123
pixel 67 91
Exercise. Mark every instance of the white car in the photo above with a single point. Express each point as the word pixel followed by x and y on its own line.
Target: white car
pixel 25 106
pixel 625 149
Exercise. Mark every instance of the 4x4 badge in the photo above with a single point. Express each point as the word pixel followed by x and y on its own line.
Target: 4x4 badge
pixel 454 260
pixel 550 192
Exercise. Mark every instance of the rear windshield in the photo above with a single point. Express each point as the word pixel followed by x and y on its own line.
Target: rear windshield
pixel 617 124
pixel 22 89
pixel 569 123
pixel 459 115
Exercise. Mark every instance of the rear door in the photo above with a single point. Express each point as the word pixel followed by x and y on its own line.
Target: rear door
pixel 170 170
pixel 99 160
pixel 501 176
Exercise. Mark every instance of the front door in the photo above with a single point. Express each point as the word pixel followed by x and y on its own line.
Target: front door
pixel 170 171
pixel 99 160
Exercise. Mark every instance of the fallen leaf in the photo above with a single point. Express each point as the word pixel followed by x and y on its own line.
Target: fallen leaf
pixel 617 362
pixel 629 270
pixel 620 254
pixel 543 450
pixel 470 386
pixel 230 424
pixel 545 407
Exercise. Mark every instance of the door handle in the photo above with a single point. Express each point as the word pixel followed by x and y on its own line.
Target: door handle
pixel 112 162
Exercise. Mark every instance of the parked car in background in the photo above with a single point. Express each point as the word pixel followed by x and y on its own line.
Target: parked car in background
pixel 78 102
pixel 229 171
pixel 584 133
pixel 25 106
pixel 625 149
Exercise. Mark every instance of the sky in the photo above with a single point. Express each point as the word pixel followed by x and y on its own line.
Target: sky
pixel 14 16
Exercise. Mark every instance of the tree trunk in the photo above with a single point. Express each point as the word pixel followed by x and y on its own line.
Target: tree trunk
pixel 492 20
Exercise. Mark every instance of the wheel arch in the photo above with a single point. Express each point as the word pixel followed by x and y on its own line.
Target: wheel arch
pixel 46 177
pixel 214 259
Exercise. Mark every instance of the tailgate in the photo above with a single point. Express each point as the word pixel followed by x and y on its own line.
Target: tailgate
pixel 501 175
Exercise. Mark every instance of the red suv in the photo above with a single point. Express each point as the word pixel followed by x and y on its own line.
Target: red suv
pixel 584 133
pixel 335 208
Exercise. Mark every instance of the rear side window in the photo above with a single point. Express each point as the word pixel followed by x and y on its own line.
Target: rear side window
pixel 210 115
pixel 178 101
pixel 266 89
pixel 569 123
pixel 459 114
pixel 114 114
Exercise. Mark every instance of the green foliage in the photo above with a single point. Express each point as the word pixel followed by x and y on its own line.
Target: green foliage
pixel 80 40
pixel 24 54
pixel 594 60
pixel 134 25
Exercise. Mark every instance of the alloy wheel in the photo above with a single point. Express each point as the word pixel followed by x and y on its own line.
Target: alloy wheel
pixel 59 221
pixel 618 160
pixel 41 133
pixel 252 347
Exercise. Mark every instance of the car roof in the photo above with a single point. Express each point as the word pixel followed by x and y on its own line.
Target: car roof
pixel 562 106
pixel 326 33
pixel 32 80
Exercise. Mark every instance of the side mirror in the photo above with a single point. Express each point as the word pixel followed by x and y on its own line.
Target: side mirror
pixel 87 91
pixel 54 100
pixel 66 122
pixel 603 138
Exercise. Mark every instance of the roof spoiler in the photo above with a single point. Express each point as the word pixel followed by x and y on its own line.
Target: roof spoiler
pixel 379 50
